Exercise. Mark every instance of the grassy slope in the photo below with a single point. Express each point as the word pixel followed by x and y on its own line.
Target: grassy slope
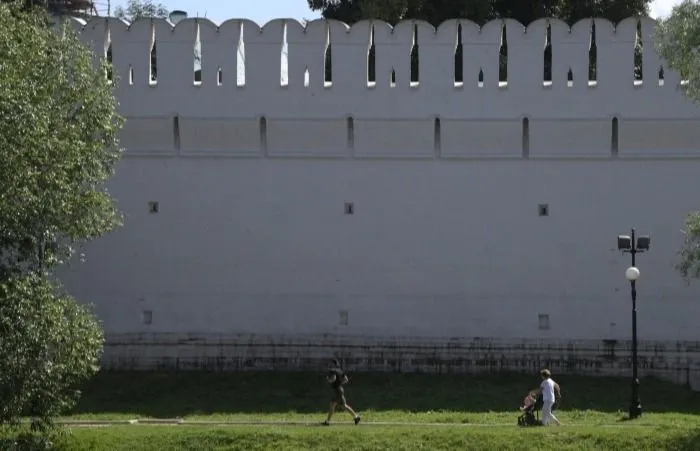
pixel 136 438
pixel 379 397
pixel 480 411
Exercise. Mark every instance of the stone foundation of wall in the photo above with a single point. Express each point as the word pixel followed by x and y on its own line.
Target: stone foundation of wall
pixel 678 362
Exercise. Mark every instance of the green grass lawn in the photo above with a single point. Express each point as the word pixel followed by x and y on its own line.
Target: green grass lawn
pixel 303 397
pixel 162 438
pixel 475 413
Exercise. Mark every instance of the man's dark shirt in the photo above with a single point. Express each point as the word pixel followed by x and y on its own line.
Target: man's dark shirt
pixel 339 376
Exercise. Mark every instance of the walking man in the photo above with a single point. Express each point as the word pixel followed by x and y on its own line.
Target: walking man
pixel 337 378
pixel 548 388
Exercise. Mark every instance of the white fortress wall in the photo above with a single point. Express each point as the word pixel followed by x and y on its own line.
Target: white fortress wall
pixel 253 174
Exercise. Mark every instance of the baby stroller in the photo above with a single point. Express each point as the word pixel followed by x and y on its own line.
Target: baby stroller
pixel 532 404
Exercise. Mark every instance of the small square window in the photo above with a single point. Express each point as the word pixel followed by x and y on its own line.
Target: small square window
pixel 147 317
pixel 153 207
pixel 543 209
pixel 349 208
pixel 543 321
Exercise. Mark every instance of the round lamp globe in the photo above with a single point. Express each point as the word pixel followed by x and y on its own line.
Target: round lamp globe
pixel 632 273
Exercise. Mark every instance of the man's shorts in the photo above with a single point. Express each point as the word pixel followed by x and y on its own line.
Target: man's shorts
pixel 339 396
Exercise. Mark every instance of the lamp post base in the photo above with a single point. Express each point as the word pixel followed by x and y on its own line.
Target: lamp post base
pixel 635 409
pixel 636 404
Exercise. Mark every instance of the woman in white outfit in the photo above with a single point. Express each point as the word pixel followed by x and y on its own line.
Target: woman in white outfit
pixel 549 388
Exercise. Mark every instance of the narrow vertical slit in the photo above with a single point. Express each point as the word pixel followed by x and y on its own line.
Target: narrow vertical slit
pixel 240 60
pixel 263 135
pixel 351 133
pixel 614 145
pixel 176 132
pixel 503 59
pixel 110 63
pixel 661 76
pixel 547 75
pixel 638 55
pixel 371 60
pixel 197 52
pixel 392 79
pixel 459 59
pixel 109 70
pixel 328 60
pixel 153 65
pixel 526 138
pixel 480 80
pixel 570 78
pixel 284 59
pixel 415 59
pixel 219 76
pixel 437 137
pixel 306 77
pixel 592 58
pixel 131 74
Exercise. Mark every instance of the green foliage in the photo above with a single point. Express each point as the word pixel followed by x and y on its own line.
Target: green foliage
pixel 689 264
pixel 137 9
pixel 479 11
pixel 57 7
pixel 49 344
pixel 677 39
pixel 678 42
pixel 58 143
pixel 58 146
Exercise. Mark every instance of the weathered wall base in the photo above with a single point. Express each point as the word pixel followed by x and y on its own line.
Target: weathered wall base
pixel 678 362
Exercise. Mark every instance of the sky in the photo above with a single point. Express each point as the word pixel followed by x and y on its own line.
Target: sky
pixel 263 11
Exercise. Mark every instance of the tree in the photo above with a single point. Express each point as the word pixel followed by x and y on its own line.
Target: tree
pixel 689 264
pixel 137 9
pixel 677 39
pixel 58 147
pixel 50 344
pixel 59 7
pixel 479 11
pixel 58 141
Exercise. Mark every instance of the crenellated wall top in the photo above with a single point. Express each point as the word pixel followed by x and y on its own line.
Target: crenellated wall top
pixel 447 27
pixel 327 68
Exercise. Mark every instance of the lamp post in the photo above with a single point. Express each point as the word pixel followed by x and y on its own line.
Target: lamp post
pixel 633 245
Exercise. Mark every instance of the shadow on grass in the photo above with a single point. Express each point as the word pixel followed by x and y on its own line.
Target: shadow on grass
pixel 177 394
pixel 689 442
